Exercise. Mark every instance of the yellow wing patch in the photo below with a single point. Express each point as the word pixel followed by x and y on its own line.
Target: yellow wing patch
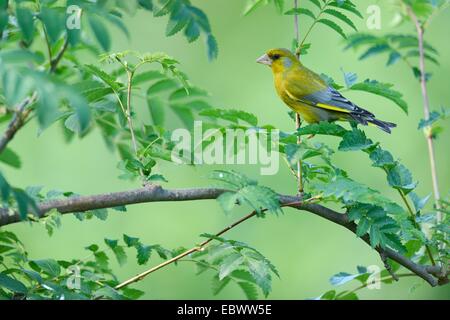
pixel 333 108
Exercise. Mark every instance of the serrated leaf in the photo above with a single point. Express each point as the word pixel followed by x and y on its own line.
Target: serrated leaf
pixel 143 253
pixel 301 11
pixel 324 127
pixel 229 264
pixel 346 6
pixel 249 290
pixel 213 49
pixel 219 284
pixel 384 90
pixel 227 201
pixel 400 177
pixel 381 158
pixel 231 115
pixel 374 50
pixel 355 140
pixel 333 26
pixel 341 17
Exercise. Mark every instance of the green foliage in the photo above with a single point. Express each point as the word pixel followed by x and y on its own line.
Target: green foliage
pixel 398 47
pixel 382 89
pixel 57 86
pixel 245 191
pixel 78 279
pixel 234 261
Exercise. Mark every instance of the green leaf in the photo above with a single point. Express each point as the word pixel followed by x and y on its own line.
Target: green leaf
pixel 249 290
pixel 26 23
pixel 260 272
pixel 130 241
pixel 12 284
pixel 363 227
pixel 106 78
pixel 218 285
pixel 350 78
pixel 101 33
pixel 434 116
pixel 231 115
pixel 156 107
pixel 229 264
pixel 317 3
pixel 333 26
pixel 143 253
pixel 329 295
pixel 213 49
pixel 192 31
pixel 342 278
pixel 252 5
pixel 118 251
pixel 399 177
pixel 132 294
pixel 346 6
pixel 355 140
pixel 341 17
pixel 300 11
pixel 10 158
pixel 381 158
pixel 47 266
pixel 54 21
pixel 349 191
pixel 227 201
pixel 324 127
pixel 419 203
pixel 393 58
pixel 382 89
pixel 107 292
pixel 101 214
pixel 5 188
pixel 374 50
pixel 24 203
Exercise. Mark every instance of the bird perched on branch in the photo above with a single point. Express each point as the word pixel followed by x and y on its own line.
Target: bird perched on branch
pixel 309 95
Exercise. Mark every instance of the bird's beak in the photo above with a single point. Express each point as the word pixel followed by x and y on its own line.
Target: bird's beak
pixel 264 59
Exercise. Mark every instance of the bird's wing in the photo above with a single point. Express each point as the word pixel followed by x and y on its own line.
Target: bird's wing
pixel 331 99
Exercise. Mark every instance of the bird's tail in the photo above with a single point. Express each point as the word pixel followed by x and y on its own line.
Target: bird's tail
pixel 370 120
pixel 383 125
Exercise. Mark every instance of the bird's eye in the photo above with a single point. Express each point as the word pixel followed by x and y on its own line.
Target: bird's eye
pixel 276 57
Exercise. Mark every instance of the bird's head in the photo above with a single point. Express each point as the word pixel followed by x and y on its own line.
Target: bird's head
pixel 278 59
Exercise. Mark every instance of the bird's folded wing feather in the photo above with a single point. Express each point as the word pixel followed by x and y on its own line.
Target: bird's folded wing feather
pixel 326 98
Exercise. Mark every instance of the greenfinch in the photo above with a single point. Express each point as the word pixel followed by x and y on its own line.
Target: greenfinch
pixel 310 96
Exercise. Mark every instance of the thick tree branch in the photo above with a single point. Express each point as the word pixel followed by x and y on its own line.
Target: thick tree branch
pixel 154 193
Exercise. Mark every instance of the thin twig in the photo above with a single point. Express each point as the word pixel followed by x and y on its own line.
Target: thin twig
pixel 314 23
pixel 23 111
pixel 416 225
pixel 298 120
pixel 128 115
pixel 366 284
pixel 198 248
pixel 426 110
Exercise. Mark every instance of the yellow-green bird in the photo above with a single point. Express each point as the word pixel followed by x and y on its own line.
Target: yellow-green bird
pixel 309 95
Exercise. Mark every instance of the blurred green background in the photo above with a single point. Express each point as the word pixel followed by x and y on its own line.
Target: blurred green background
pixel 306 249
